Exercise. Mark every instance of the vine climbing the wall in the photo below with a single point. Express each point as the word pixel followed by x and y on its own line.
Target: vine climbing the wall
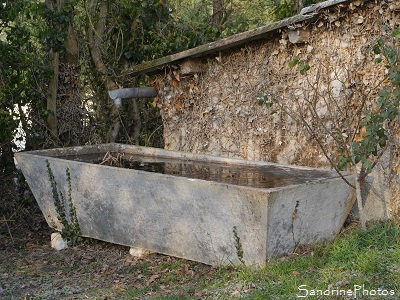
pixel 66 212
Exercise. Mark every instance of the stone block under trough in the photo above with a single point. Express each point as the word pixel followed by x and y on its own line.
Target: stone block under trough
pixel 204 208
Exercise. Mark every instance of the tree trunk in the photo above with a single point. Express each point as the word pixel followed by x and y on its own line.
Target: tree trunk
pixel 218 12
pixel 299 5
pixel 71 46
pixel 360 201
pixel 52 122
pixel 137 123
pixel 69 103
pixel 53 85
pixel 52 97
pixel 95 36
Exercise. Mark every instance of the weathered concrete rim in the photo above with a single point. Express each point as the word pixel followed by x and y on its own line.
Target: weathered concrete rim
pixel 53 155
pixel 142 150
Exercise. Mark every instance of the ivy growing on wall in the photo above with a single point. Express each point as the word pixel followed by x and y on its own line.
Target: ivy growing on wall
pixel 66 212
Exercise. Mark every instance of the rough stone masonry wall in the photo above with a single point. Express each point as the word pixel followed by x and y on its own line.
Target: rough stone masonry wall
pixel 215 110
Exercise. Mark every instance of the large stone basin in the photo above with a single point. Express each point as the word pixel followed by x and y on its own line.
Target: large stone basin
pixel 204 208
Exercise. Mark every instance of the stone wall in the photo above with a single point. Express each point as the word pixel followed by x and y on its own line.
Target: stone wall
pixel 210 105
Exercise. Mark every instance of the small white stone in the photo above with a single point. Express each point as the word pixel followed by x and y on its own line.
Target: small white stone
pixel 57 242
pixel 139 252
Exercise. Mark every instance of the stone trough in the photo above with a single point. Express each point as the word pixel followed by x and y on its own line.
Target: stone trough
pixel 204 208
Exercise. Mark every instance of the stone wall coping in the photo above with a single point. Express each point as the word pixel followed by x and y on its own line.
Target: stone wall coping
pixel 263 32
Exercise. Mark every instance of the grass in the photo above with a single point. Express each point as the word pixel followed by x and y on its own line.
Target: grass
pixel 356 259
pixel 357 262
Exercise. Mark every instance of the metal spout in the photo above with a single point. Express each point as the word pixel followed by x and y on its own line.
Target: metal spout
pixel 118 95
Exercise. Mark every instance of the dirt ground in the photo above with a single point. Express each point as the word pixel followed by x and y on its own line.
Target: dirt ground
pixel 31 269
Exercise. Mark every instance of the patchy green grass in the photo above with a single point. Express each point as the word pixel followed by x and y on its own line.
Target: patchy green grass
pixel 357 261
